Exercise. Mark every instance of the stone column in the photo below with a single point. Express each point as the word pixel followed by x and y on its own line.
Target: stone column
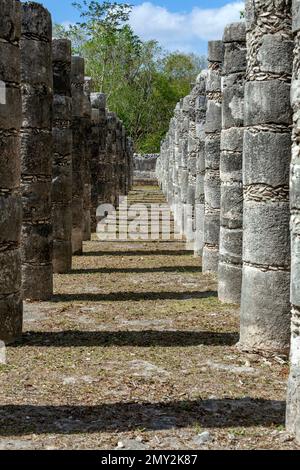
pixel 130 151
pixel 212 158
pixel 110 170
pixel 10 198
pixel 183 169
pixel 293 399
pixel 77 82
pixel 118 164
pixel 231 166
pixel 98 154
pixel 201 108
pixel 174 179
pixel 123 178
pixel 87 115
pixel 104 168
pixel 192 169
pixel 36 151
pixel 171 173
pixel 95 159
pixel 62 157
pixel 265 306
pixel 127 161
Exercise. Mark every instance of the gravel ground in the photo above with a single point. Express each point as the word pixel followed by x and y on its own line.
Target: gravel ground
pixel 135 350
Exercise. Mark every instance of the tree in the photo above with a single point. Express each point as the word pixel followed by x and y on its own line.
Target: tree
pixel 142 81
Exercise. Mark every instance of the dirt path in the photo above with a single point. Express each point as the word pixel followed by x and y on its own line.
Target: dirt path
pixel 135 348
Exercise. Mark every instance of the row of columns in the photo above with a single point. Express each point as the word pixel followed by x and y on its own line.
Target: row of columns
pixel 244 179
pixel 63 154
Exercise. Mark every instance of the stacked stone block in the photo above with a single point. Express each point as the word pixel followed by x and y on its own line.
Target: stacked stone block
pixel 119 161
pixel 200 109
pixel 104 164
pixel 293 398
pixel 265 306
pixel 212 157
pixel 145 168
pixel 192 168
pixel 62 157
pixel 87 116
pixel 231 165
pixel 36 151
pixel 78 153
pixel 110 165
pixel 10 198
pixel 95 158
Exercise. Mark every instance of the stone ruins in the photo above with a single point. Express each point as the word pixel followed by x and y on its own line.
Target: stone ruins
pixel 56 168
pixel 145 168
pixel 229 167
pixel 243 178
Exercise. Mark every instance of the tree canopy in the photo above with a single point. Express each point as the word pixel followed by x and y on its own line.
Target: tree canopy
pixel 142 81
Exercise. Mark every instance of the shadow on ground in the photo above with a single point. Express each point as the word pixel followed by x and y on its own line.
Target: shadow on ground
pixel 127 338
pixel 111 417
pixel 133 253
pixel 161 269
pixel 132 296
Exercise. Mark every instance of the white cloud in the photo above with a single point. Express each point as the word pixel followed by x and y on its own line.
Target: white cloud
pixel 184 31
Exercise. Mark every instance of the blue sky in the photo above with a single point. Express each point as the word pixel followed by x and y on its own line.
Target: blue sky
pixel 178 25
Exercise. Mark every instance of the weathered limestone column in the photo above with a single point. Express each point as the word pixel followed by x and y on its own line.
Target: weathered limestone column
pixel 201 108
pixel 95 158
pixel 98 154
pixel 191 166
pixel 62 157
pixel 212 158
pixel 123 176
pixel 87 116
pixel 180 175
pixel 231 166
pixel 293 398
pixel 131 151
pixel 126 162
pixel 104 169
pixel 171 171
pixel 174 175
pixel 36 151
pixel 110 170
pixel 118 162
pixel 78 153
pixel 183 169
pixel 10 198
pixel 265 306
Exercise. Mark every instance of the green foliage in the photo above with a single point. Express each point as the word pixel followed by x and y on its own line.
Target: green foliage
pixel 142 82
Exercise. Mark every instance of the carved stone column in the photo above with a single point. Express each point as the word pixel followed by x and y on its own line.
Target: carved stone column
pixel 62 157
pixel 212 158
pixel 231 166
pixel 265 304
pixel 293 399
pixel 78 164
pixel 10 198
pixel 36 151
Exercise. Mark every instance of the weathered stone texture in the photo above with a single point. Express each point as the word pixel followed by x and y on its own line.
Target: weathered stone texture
pixel 265 308
pixel 212 182
pixel 293 398
pixel 145 167
pixel 200 110
pixel 62 157
pixel 87 122
pixel 36 151
pixel 231 217
pixel 78 153
pixel 10 198
pixel 109 172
